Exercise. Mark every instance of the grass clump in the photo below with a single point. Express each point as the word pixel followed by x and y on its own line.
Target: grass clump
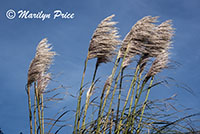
pixel 123 105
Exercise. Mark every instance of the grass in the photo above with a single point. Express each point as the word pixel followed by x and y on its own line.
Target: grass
pixel 129 111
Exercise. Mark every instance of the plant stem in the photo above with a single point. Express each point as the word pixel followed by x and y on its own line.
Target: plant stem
pixel 116 81
pixel 29 107
pixel 132 97
pixel 35 118
pixel 137 97
pixel 115 86
pixel 77 118
pixel 145 103
pixel 127 97
pixel 111 121
pixel 88 97
pixel 119 97
pixel 38 107
pixel 42 111
pixel 95 71
pixel 109 110
pixel 107 93
pixel 101 103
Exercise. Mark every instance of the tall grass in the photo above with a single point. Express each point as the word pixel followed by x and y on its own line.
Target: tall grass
pixel 38 74
pixel 146 48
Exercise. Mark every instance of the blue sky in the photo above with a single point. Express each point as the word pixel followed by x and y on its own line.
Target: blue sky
pixel 70 39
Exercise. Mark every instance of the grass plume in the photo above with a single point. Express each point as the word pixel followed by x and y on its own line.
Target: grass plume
pixel 38 73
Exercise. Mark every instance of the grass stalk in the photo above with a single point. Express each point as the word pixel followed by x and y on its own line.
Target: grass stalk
pixel 35 118
pixel 111 121
pixel 77 117
pixel 119 97
pixel 116 81
pixel 127 97
pixel 88 97
pixel 109 110
pixel 103 104
pixel 131 102
pixel 137 98
pixel 115 86
pixel 42 112
pixel 145 103
pixel 29 107
pixel 38 107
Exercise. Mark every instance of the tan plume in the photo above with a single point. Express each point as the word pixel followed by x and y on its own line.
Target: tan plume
pixel 104 41
pixel 41 62
pixel 137 38
pixel 159 64
pixel 147 38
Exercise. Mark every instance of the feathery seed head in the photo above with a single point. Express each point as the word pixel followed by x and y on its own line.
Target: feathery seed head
pixel 104 41
pixel 161 40
pixel 147 38
pixel 143 61
pixel 159 64
pixel 159 47
pixel 41 62
pixel 43 81
pixel 137 38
